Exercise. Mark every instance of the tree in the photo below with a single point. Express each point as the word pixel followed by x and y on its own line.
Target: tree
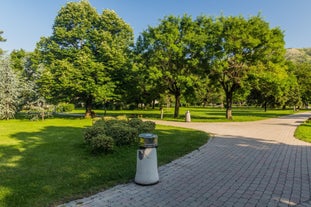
pixel 9 90
pixel 84 56
pixel 242 46
pixel 302 72
pixel 166 51
pixel 1 40
pixel 25 66
pixel 18 59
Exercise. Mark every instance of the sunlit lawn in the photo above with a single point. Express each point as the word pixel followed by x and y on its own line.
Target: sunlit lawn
pixel 44 163
pixel 303 132
pixel 200 114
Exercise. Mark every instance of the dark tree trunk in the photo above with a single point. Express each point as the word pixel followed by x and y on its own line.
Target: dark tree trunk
pixel 177 105
pixel 88 107
pixel 229 101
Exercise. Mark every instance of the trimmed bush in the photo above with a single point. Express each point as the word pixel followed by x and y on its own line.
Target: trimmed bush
pixel 65 107
pixel 147 127
pixel 122 117
pixel 141 126
pixel 92 132
pixel 136 123
pixel 106 124
pixel 122 134
pixel 101 143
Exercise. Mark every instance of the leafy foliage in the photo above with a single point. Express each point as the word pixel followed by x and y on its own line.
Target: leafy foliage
pixel 122 132
pixel 142 126
pixel 1 40
pixel 101 143
pixel 92 132
pixel 245 47
pixel 10 90
pixel 166 51
pixel 84 55
pixel 65 107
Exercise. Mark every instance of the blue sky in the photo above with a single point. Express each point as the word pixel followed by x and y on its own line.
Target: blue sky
pixel 25 21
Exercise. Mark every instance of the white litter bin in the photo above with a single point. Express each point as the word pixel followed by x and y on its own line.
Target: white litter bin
pixel 147 162
pixel 187 116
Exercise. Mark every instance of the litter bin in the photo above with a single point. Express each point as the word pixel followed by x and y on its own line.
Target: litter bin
pixel 147 162
pixel 188 116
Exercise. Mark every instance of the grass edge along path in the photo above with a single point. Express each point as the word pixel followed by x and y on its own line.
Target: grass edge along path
pixel 45 163
pixel 303 131
pixel 198 114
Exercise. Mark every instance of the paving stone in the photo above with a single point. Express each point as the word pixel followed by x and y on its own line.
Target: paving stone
pixel 244 164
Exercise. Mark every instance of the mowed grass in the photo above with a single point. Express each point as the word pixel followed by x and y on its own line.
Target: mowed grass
pixel 44 163
pixel 303 132
pixel 199 114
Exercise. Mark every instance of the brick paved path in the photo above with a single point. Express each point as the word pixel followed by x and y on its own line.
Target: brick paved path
pixel 244 164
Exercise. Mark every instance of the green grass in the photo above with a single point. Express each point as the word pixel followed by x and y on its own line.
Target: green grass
pixel 200 114
pixel 44 163
pixel 303 132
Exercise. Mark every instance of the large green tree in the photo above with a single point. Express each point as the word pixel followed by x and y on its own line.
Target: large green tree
pixel 10 90
pixel 272 88
pixel 25 65
pixel 85 56
pixel 167 53
pixel 243 48
pixel 302 72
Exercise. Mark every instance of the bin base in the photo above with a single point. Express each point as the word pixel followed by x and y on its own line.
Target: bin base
pixel 147 167
pixel 144 184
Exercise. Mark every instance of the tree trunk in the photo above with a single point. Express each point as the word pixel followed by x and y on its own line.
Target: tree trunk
pixel 229 113
pixel 88 107
pixel 229 96
pixel 177 105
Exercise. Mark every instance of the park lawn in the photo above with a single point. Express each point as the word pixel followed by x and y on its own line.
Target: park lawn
pixel 303 132
pixel 198 114
pixel 44 163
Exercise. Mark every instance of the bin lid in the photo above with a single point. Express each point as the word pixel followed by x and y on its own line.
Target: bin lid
pixel 148 136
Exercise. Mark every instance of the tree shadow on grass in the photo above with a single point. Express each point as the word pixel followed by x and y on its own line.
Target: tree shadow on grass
pixel 52 166
pixel 33 170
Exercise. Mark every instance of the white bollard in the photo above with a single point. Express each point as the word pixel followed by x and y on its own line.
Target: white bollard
pixel 188 116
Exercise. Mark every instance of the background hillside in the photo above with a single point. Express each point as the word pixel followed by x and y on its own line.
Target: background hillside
pixel 299 54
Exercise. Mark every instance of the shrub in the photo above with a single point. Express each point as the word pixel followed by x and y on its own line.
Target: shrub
pixel 107 124
pixel 147 127
pixel 141 126
pixel 92 132
pixel 101 143
pixel 135 122
pixel 65 107
pixel 122 117
pixel 108 118
pixel 122 134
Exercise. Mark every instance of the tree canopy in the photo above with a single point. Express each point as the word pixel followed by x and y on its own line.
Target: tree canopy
pixel 244 49
pixel 232 52
pixel 10 90
pixel 1 40
pixel 84 55
pixel 91 58
pixel 167 52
